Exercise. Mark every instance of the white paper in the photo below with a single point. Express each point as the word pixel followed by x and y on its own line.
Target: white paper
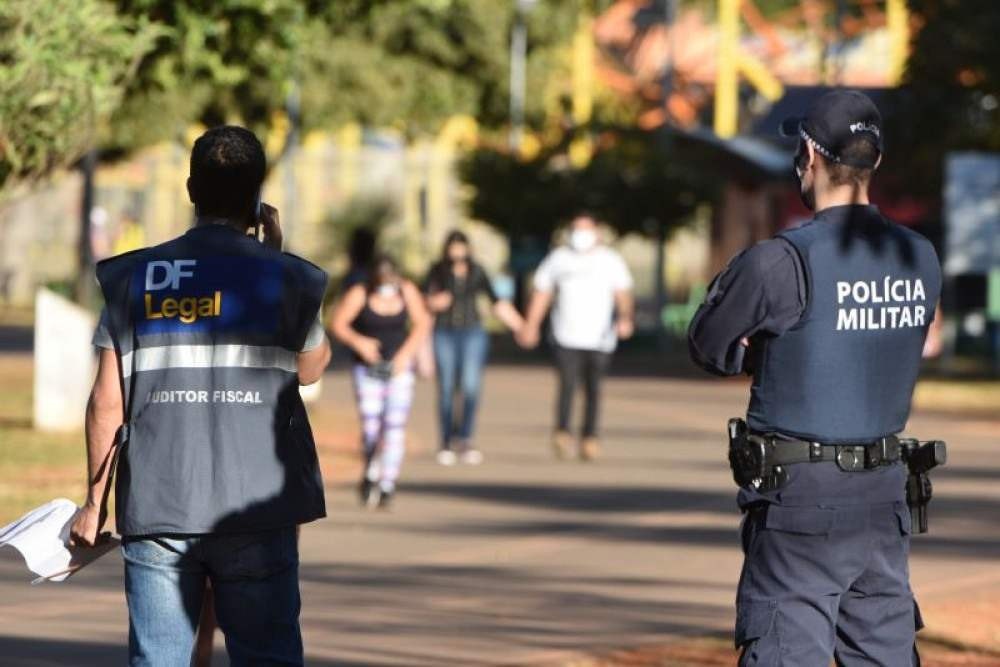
pixel 42 537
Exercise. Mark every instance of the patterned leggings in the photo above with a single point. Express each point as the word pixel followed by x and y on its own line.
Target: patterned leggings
pixel 384 406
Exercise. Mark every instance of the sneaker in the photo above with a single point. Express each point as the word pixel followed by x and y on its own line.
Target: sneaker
pixel 385 499
pixel 590 448
pixel 446 457
pixel 562 444
pixel 471 457
pixel 372 496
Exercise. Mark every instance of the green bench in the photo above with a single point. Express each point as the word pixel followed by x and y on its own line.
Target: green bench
pixel 677 316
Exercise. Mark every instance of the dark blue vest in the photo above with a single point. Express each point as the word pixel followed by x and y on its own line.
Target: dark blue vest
pixel 845 373
pixel 207 328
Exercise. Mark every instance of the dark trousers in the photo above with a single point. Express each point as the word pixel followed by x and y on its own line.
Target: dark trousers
pixel 825 574
pixel 574 366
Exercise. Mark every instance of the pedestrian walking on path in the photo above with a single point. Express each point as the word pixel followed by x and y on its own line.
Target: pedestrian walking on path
pixel 204 341
pixel 360 254
pixel 384 322
pixel 461 345
pixel 589 288
pixel 830 318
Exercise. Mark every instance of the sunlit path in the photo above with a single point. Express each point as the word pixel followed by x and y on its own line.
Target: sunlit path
pixel 525 559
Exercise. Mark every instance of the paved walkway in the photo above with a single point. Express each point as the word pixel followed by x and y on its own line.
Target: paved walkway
pixel 526 560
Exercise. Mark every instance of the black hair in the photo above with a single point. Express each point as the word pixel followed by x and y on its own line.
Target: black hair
pixel 228 166
pixel 442 268
pixel 857 151
pixel 361 247
pixel 454 236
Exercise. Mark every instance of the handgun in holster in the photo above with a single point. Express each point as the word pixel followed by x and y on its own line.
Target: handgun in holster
pixel 748 459
pixel 920 458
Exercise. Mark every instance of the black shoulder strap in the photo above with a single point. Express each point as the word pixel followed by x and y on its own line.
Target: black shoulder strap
pixel 110 272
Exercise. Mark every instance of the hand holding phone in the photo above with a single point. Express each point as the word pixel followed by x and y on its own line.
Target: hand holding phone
pixel 269 225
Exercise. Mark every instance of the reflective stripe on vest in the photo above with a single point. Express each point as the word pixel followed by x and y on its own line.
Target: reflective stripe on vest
pixel 209 356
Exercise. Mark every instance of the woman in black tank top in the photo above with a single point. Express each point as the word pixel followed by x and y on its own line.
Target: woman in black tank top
pixel 384 322
pixel 389 329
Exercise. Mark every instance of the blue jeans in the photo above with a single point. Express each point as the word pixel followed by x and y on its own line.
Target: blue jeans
pixel 255 585
pixel 460 355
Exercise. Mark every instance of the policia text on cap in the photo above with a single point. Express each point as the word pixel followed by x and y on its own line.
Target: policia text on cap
pixel 204 341
pixel 830 319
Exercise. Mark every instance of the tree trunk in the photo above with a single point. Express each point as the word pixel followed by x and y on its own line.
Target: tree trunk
pixel 84 288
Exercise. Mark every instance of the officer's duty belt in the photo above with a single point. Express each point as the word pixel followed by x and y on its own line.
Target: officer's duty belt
pixel 781 451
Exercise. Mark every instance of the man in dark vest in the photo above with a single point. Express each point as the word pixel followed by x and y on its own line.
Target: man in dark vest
pixel 204 342
pixel 830 319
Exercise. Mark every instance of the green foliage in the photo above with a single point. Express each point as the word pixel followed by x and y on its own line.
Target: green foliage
pixel 518 198
pixel 413 64
pixel 952 101
pixel 214 62
pixel 643 182
pixel 409 64
pixel 63 69
pixel 639 184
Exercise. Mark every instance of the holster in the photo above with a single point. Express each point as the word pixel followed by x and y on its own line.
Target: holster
pixel 920 458
pixel 748 459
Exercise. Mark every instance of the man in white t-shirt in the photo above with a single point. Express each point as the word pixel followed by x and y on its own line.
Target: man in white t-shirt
pixel 589 288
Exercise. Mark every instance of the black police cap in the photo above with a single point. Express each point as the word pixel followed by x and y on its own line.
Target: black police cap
pixel 834 121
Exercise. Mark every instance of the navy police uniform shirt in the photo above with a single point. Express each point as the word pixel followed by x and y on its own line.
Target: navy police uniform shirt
pixel 762 291
pixel 207 328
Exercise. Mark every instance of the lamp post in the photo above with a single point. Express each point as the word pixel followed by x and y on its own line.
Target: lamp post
pixel 669 80
pixel 518 71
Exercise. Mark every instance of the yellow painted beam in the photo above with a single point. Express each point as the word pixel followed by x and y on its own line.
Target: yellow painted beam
pixel 760 77
pixel 726 77
pixel 277 136
pixel 459 131
pixel 348 149
pixel 582 148
pixel 583 70
pixel 897 22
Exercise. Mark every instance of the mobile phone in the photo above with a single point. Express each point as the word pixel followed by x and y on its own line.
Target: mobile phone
pixel 256 217
pixel 381 370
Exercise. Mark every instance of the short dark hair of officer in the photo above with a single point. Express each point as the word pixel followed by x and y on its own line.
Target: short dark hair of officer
pixel 840 141
pixel 228 166
pixel 845 174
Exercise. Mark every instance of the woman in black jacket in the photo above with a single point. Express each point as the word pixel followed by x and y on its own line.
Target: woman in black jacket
pixel 461 345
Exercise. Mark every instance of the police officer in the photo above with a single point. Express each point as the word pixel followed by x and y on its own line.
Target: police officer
pixel 830 319
pixel 205 340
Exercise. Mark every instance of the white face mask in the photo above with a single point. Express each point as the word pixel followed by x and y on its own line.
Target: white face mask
pixel 388 289
pixel 582 240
